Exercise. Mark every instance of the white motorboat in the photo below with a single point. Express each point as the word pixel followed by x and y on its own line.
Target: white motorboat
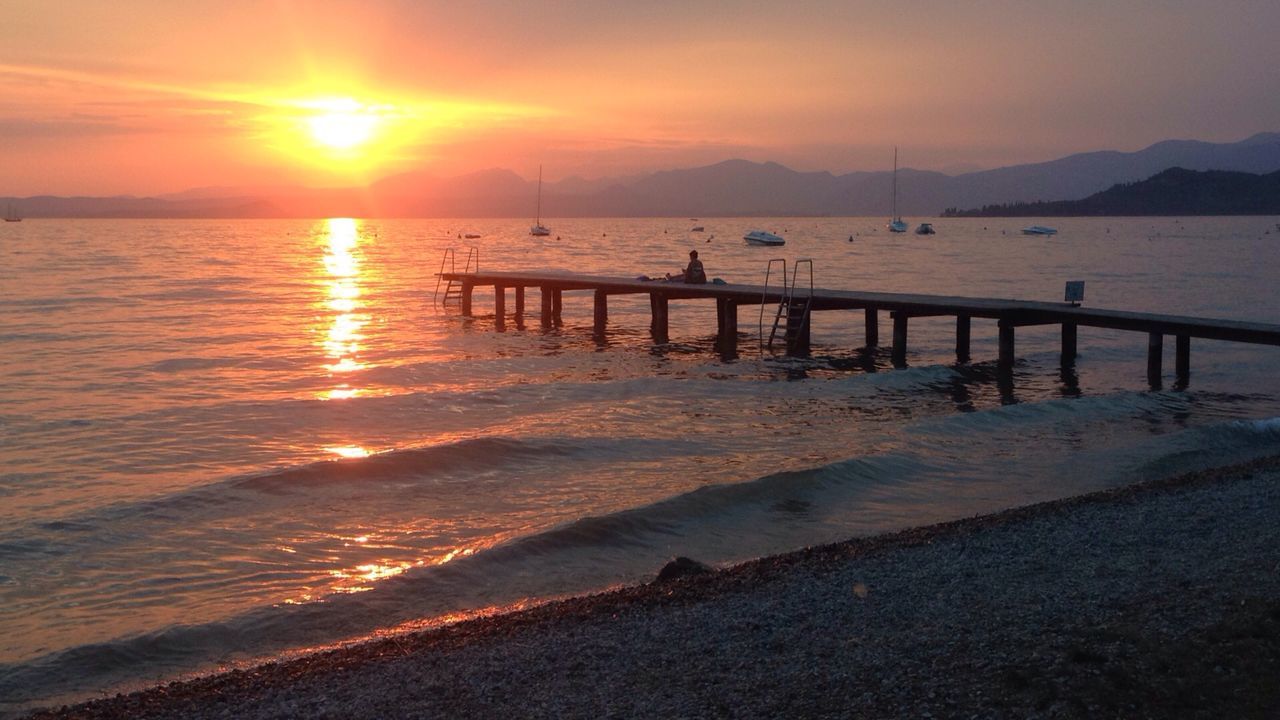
pixel 896 224
pixel 1039 230
pixel 761 237
pixel 925 229
pixel 538 228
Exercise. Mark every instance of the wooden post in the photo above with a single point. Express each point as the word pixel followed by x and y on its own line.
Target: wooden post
pixel 466 298
pixel 1068 343
pixel 962 338
pixel 727 327
pixel 873 326
pixel 555 307
pixel 1182 358
pixel 726 319
pixel 519 305
pixel 900 338
pixel 1155 353
pixel 546 292
pixel 499 308
pixel 601 312
pixel 658 303
pixel 1006 344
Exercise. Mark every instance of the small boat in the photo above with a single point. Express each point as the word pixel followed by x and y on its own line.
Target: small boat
pixel 470 236
pixel 896 225
pixel 11 216
pixel 1039 230
pixel 760 237
pixel 538 228
pixel 698 228
pixel 925 229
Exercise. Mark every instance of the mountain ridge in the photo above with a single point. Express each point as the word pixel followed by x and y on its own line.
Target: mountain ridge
pixel 1176 191
pixel 732 187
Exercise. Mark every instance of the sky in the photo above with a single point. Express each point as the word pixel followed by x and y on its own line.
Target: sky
pixel 153 96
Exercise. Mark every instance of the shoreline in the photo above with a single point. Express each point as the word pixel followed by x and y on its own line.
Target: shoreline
pixel 1159 599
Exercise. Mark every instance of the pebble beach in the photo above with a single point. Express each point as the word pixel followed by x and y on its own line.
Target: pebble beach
pixel 1155 600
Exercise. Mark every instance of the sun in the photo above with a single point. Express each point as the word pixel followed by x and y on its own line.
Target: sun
pixel 342 124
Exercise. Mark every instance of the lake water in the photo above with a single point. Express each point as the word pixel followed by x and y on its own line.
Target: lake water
pixel 225 440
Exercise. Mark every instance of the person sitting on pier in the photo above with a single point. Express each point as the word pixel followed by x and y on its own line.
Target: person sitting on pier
pixel 693 274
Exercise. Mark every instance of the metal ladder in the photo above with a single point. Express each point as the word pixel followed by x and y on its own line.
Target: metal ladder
pixel 453 288
pixel 795 309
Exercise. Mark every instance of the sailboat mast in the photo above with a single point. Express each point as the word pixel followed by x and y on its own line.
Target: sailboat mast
pixel 538 220
pixel 895 182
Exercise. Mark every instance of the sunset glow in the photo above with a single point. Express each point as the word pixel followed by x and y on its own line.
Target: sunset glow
pixel 139 97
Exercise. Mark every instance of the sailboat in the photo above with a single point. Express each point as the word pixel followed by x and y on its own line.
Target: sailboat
pixel 896 225
pixel 538 228
pixel 10 215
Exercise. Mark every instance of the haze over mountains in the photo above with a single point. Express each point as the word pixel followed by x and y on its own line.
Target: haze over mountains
pixel 729 188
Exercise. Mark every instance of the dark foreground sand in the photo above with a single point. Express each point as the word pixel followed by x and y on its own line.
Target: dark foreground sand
pixel 1159 600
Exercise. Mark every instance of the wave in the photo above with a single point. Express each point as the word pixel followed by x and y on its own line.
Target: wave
pixel 390 471
pixel 937 467
pixel 579 556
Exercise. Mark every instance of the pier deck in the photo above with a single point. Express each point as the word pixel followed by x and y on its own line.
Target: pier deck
pixel 1009 313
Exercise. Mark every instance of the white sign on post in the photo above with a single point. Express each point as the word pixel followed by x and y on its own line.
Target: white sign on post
pixel 1075 292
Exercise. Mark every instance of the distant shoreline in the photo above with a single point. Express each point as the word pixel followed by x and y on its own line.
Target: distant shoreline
pixel 1158 599
pixel 1174 192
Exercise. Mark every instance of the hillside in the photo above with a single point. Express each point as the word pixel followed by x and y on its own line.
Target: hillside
pixel 1176 191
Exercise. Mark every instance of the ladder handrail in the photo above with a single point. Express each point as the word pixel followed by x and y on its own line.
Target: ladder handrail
pixel 453 266
pixel 795 270
pixel 764 294
pixel 450 258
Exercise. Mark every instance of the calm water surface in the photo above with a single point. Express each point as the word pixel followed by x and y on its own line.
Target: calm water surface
pixel 223 440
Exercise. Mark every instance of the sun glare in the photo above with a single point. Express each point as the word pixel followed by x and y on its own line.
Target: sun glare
pixel 343 124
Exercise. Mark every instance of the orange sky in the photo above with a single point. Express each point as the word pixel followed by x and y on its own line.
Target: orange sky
pixel 145 96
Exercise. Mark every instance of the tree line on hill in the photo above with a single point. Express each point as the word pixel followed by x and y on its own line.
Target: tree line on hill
pixel 1175 191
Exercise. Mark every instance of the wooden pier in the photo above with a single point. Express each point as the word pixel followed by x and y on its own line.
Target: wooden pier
pixel 901 307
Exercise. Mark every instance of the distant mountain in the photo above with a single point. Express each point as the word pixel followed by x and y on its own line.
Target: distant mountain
pixel 1176 191
pixel 1078 176
pixel 729 188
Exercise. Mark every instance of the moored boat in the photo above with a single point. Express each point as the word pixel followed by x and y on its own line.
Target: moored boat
pixel 538 228
pixel 761 237
pixel 925 229
pixel 896 225
pixel 1039 230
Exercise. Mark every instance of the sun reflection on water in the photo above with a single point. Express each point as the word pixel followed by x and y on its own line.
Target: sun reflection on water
pixel 342 339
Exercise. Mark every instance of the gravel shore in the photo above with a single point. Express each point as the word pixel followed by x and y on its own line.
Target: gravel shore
pixel 1158 600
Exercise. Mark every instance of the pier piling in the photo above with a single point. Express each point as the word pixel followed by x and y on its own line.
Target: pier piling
pixel 1182 358
pixel 899 354
pixel 962 338
pixel 545 315
pixel 499 308
pixel 1155 356
pixel 601 314
pixel 1068 343
pixel 467 287
pixel 1006 359
pixel 873 326
pixel 659 305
